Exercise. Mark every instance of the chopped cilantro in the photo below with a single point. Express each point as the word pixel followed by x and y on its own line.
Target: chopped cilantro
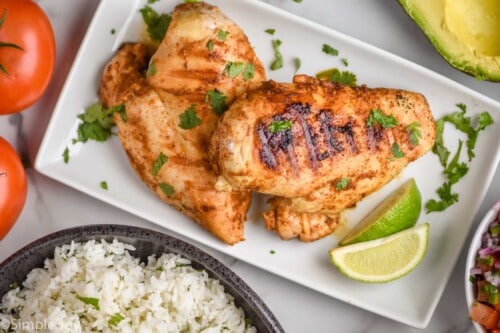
pixel 249 71
pixel 342 184
pixel 90 300
pixel 378 117
pixel 233 69
pixel 298 1
pixel 272 252
pixel 280 125
pixel 157 24
pixel 414 133
pixel 97 122
pixel 336 76
pixel 218 101
pixel 167 189
pixel 104 185
pixel 330 50
pixel 455 170
pixel 210 45
pixel 161 159
pixel 298 63
pixel 270 31
pixel 396 150
pixel 222 34
pixel 151 68
pixel 189 119
pixel 115 319
pixel 278 57
pixel 113 31
pixel 66 155
pixel 345 61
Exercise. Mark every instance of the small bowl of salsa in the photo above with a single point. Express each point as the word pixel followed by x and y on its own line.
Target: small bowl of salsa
pixel 482 286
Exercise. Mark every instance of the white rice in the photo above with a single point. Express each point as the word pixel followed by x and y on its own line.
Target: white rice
pixel 100 287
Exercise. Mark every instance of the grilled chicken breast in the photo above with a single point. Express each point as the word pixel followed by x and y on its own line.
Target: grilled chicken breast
pixel 170 113
pixel 318 147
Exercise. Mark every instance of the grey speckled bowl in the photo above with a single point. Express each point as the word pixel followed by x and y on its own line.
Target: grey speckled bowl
pixel 147 242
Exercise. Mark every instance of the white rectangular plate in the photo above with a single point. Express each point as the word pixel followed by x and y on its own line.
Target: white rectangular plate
pixel 411 299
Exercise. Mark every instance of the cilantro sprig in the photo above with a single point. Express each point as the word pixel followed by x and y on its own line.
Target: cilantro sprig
pixel 97 122
pixel 455 169
pixel 157 24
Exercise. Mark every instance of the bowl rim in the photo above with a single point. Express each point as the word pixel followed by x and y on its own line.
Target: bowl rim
pixel 475 243
pixel 214 267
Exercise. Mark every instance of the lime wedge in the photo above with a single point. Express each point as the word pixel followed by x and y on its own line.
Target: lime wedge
pixel 384 259
pixel 399 211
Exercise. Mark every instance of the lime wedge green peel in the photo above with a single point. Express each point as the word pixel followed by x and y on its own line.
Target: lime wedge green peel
pixel 399 211
pixel 384 259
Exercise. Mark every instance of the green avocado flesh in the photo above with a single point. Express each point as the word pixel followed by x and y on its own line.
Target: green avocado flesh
pixel 465 32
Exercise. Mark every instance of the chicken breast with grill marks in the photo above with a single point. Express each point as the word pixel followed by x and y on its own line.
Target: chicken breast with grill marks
pixel 318 148
pixel 171 111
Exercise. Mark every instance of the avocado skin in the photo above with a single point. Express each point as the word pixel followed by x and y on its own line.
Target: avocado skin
pixel 429 17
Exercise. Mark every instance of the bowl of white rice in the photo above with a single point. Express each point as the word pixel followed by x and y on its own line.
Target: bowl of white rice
pixel 117 278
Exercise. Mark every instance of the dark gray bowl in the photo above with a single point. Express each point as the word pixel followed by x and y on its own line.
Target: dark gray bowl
pixel 147 242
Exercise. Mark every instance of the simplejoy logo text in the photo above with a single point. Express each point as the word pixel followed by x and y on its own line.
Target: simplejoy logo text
pixel 18 325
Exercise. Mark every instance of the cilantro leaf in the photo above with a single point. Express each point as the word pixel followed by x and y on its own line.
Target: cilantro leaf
pixel 336 76
pixel 396 150
pixel 414 133
pixel 90 300
pixel 447 197
pixel 298 63
pixel 280 125
pixel 222 34
pixel 378 117
pixel 167 189
pixel 104 185
pixel 218 101
pixel 233 69
pixel 161 159
pixel 249 71
pixel 278 58
pixel 330 50
pixel 97 122
pixel 66 155
pixel 189 119
pixel 210 45
pixel 345 61
pixel 270 31
pixel 151 68
pixel 342 184
pixel 115 319
pixel 157 24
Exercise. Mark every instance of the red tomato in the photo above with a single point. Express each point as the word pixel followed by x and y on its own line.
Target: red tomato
pixel 13 187
pixel 27 54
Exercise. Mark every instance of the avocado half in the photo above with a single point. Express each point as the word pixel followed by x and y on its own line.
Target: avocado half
pixel 465 32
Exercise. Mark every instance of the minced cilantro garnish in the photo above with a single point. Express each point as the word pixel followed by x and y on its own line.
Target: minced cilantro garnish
pixel 161 159
pixel 270 31
pixel 279 125
pixel 97 122
pixel 66 155
pixel 336 76
pixel 104 185
pixel 189 119
pixel 115 319
pixel 396 150
pixel 378 117
pixel 210 45
pixel 90 300
pixel 278 57
pixel 455 170
pixel 218 101
pixel 151 68
pixel 167 189
pixel 414 133
pixel 298 63
pixel 330 50
pixel 342 184
pixel 345 61
pixel 233 69
pixel 222 34
pixel 157 24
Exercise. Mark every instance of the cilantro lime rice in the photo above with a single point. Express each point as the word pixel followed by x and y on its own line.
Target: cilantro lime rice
pixel 100 286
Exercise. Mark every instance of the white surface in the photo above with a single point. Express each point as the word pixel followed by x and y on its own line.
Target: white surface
pixel 52 206
pixel 415 301
pixel 474 246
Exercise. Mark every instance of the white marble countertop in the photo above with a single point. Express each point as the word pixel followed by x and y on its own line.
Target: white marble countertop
pixel 52 206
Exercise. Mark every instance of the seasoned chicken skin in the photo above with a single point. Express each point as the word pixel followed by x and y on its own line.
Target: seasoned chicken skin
pixel 318 147
pixel 163 96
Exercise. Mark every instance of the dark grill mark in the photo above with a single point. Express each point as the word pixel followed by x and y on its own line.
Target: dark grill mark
pixel 271 144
